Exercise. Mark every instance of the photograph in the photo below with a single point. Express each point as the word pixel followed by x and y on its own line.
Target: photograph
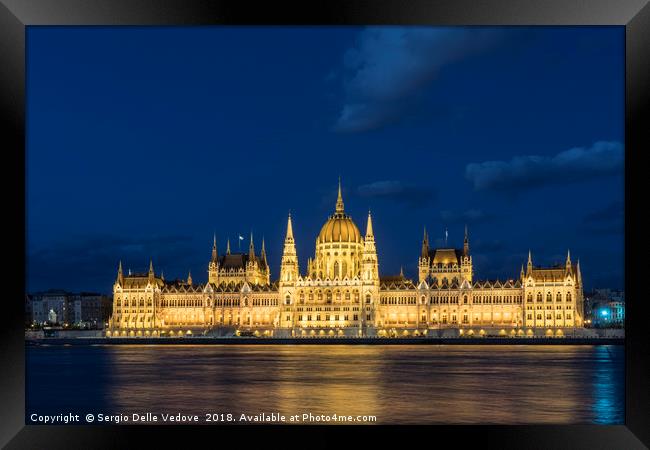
pixel 325 225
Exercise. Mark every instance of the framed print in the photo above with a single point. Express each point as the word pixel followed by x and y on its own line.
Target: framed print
pixel 349 220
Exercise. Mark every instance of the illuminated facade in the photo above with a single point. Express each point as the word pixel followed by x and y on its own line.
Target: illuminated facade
pixel 342 294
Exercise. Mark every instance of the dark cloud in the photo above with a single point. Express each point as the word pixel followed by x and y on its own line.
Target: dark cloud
pixel 388 66
pixel 607 220
pixel 526 172
pixel 409 195
pixel 90 262
pixel 467 217
pixel 482 245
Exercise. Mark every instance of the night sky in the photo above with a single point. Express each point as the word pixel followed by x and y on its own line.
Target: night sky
pixel 143 142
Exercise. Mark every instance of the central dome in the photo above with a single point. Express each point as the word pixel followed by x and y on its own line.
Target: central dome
pixel 339 227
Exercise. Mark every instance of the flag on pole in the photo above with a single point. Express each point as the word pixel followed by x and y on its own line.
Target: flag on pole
pixel 241 238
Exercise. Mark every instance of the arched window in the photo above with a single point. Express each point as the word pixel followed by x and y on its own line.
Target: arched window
pixel 539 296
pixel 530 297
pixel 344 272
pixel 287 299
pixel 548 297
pixel 336 270
pixel 568 296
pixel 559 297
pixel 465 299
pixel 367 299
pixel 329 297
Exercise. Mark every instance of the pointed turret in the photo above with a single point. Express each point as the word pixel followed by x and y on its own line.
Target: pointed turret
pixel 189 277
pixel 369 232
pixel 289 229
pixel 425 244
pixel 466 243
pixel 214 249
pixel 289 271
pixel 120 276
pixel 251 249
pixel 228 247
pixel 151 273
pixel 529 266
pixel 401 271
pixel 369 265
pixel 521 274
pixel 263 253
pixel 162 275
pixel 339 201
pixel 579 273
pixel 568 260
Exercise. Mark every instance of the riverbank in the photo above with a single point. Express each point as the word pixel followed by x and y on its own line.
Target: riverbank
pixel 324 341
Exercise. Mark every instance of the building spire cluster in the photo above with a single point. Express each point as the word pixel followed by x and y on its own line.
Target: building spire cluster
pixel 345 272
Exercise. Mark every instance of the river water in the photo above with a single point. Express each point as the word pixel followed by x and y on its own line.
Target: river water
pixel 398 384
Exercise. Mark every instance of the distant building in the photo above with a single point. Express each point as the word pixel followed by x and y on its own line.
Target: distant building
pixel 605 308
pixel 55 306
pixel 48 305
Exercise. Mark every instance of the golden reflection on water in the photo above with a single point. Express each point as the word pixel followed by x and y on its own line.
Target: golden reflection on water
pixel 398 384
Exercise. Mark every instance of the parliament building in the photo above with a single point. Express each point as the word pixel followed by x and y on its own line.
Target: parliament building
pixel 341 293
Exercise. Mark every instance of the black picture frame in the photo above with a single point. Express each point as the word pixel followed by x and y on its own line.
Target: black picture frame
pixel 16 15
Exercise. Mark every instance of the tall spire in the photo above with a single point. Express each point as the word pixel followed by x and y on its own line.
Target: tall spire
pixel 529 267
pixel 120 276
pixel 401 271
pixel 289 229
pixel 579 274
pixel 568 258
pixel 151 273
pixel 214 248
pixel 425 244
pixel 369 232
pixel 289 271
pixel 228 247
pixel 263 253
pixel 251 249
pixel 189 277
pixel 339 200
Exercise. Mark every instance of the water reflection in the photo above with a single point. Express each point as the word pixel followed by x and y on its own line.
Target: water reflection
pixel 398 384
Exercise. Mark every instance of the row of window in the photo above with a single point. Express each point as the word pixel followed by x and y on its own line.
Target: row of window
pixel 549 297
pixel 548 316
pixel 336 317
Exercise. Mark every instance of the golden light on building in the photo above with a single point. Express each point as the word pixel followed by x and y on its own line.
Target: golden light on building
pixel 342 294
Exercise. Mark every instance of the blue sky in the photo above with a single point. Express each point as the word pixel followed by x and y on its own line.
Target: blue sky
pixel 142 142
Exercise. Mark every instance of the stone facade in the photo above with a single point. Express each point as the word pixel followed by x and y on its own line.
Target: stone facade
pixel 342 294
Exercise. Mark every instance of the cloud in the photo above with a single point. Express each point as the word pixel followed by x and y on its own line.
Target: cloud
pixel 607 220
pixel 527 172
pixel 90 262
pixel 467 216
pixel 487 246
pixel 410 195
pixel 388 66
